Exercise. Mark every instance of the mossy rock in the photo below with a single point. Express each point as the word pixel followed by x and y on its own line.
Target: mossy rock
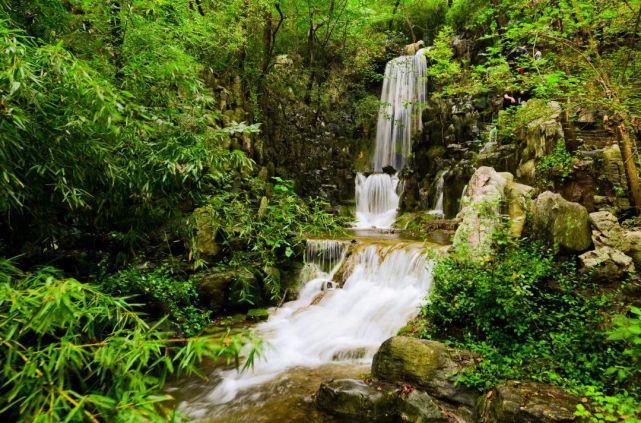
pixel 430 365
pixel 257 314
pixel 562 223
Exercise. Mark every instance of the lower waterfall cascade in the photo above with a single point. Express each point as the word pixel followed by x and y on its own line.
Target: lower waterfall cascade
pixel 384 288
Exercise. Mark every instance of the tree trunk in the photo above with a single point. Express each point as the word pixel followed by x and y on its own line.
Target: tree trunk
pixel 627 153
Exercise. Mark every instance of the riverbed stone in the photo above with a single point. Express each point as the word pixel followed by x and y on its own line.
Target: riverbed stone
pixel 420 407
pixel 562 223
pixel 527 402
pixel 355 399
pixel 430 365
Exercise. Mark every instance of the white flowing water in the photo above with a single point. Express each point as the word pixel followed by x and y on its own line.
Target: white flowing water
pixel 325 253
pixel 438 204
pixel 377 200
pixel 403 98
pixel 385 288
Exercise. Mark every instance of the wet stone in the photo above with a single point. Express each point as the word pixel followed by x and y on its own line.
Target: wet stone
pixel 357 400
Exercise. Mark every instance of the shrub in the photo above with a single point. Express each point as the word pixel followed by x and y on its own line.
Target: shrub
pixel 163 295
pixel 557 165
pixel 528 314
pixel 72 353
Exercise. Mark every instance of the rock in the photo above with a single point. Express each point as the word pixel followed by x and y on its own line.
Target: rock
pixel 206 230
pixel 480 215
pixel 561 222
pixel 430 365
pixel 527 402
pixel 606 264
pixel 631 292
pixel 282 61
pixel 411 49
pixel 212 288
pixel 613 170
pixel 519 202
pixel 419 407
pixel 257 314
pixel 389 170
pixel 607 231
pixel 633 240
pixel 355 399
pixel 263 207
pixel 541 136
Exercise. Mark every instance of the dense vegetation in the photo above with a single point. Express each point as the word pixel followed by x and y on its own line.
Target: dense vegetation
pixel 532 316
pixel 133 155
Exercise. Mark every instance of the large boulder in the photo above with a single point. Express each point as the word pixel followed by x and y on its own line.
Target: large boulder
pixel 560 222
pixel 606 264
pixel 355 399
pixel 481 213
pixel 527 402
pixel 430 365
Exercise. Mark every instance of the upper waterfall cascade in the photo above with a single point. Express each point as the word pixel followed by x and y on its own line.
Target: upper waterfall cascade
pixel 402 98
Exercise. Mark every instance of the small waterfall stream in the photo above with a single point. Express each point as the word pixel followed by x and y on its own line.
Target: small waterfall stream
pixel 384 286
pixel 438 204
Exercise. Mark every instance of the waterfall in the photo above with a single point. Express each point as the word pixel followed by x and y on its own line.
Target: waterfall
pixel 402 100
pixel 462 200
pixel 325 253
pixel 403 97
pixel 377 199
pixel 438 204
pixel 384 289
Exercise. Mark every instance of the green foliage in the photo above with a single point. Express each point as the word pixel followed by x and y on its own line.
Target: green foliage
pixel 518 120
pixel 163 295
pixel 72 353
pixel 529 315
pixel 262 240
pixel 557 165
pixel 468 14
pixel 621 407
pixel 442 67
pixel 628 330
